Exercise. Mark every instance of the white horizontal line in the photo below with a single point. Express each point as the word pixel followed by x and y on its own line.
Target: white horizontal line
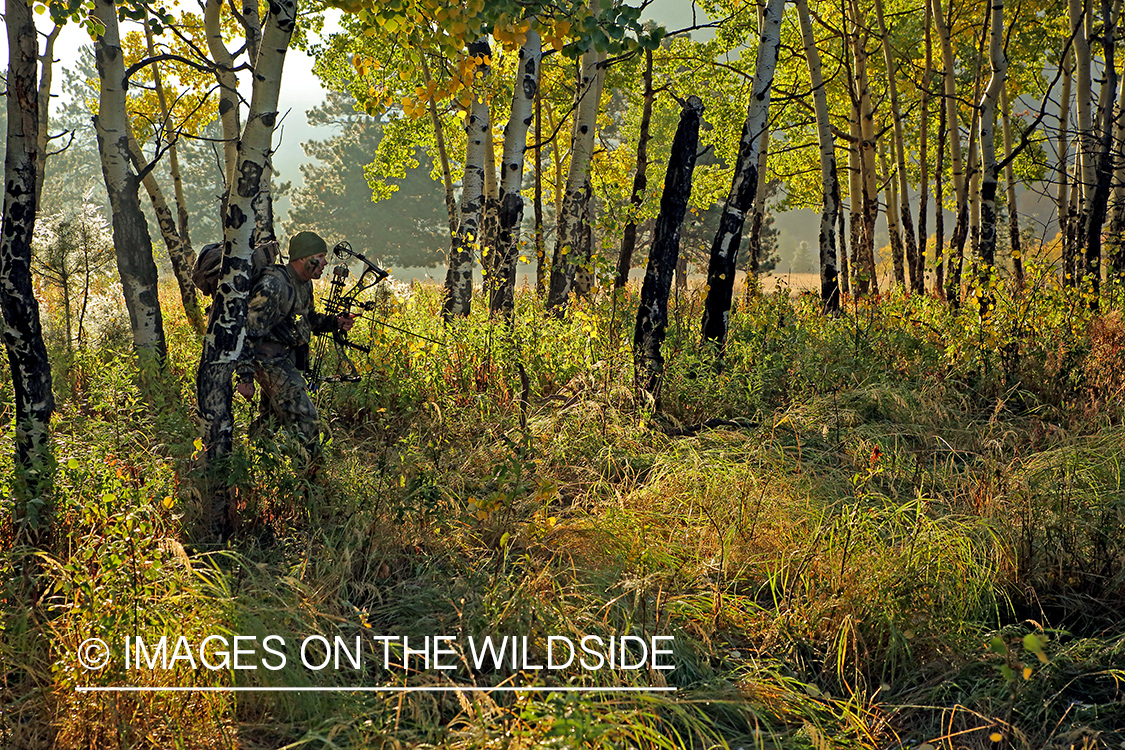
pixel 364 689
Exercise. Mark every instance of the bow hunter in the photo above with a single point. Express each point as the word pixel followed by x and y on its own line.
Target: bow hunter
pixel 280 321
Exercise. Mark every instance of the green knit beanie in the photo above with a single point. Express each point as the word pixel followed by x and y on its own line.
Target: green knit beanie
pixel 305 244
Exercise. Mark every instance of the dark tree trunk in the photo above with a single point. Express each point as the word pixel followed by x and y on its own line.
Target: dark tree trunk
pixel 640 182
pixel 744 185
pixel 23 336
pixel 652 315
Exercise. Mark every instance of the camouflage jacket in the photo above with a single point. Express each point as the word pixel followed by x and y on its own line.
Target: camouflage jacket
pixel 280 318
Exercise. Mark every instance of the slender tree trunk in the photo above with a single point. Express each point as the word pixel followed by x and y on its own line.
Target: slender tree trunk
pixel 443 155
pixel 640 181
pixel 182 265
pixel 173 163
pixel 757 220
pixel 226 326
pixel 902 191
pixel 584 255
pixel 939 209
pixel 228 90
pixel 866 270
pixel 1062 170
pixel 490 225
pixel 511 200
pixel 1116 235
pixel 23 337
pixel 652 314
pixel 893 234
pixel 1087 141
pixel 540 247
pixel 589 94
pixel 968 200
pixel 989 169
pixel 459 278
pixel 950 129
pixel 842 235
pixel 45 77
pixel 855 200
pixel 131 239
pixel 923 156
pixel 744 186
pixel 1099 200
pixel 1013 207
pixel 830 184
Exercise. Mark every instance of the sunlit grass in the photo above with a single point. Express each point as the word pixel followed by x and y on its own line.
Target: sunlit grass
pixel 835 569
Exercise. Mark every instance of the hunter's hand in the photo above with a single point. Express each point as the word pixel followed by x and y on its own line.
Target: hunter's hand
pixel 246 388
pixel 346 322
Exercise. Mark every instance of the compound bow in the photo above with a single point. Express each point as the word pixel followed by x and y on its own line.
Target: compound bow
pixel 341 302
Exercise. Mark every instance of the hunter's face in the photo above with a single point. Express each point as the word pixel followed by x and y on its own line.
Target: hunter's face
pixel 315 265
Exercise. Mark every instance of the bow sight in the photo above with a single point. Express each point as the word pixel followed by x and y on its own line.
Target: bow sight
pixel 339 303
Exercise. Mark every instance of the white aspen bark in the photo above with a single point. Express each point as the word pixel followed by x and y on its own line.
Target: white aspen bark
pixel 744 185
pixel 829 181
pixel 1103 145
pixel 1016 252
pixel 182 265
pixel 1062 168
pixel 443 155
pixel 867 280
pixel 902 189
pixel 986 249
pixel 968 201
pixel 226 329
pixel 855 195
pixel 462 252
pixel 1078 11
pixel 511 178
pixel 228 88
pixel 923 156
pixel 567 235
pixel 890 197
pixel 23 336
pixel 489 224
pixel 952 119
pixel 131 239
pixel 46 74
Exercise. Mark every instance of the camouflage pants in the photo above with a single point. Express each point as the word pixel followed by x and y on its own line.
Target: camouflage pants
pixel 285 402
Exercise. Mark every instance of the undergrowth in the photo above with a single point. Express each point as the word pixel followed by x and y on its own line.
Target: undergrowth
pixel 910 533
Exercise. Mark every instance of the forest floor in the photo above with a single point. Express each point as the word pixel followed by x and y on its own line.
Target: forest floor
pixel 899 527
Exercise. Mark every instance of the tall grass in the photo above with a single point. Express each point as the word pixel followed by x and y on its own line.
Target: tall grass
pixel 909 493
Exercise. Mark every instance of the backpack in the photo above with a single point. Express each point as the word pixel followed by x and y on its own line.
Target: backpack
pixel 209 263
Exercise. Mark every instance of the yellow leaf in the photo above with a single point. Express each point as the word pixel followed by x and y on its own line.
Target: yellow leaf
pixel 1027 673
pixel 168 502
pixel 995 736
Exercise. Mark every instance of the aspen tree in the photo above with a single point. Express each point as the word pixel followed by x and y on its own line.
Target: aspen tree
pixel 226 325
pixel 131 240
pixel 998 65
pixel 744 185
pixel 459 278
pixel 902 189
pixel 574 198
pixel 830 183
pixel 515 147
pixel 23 335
